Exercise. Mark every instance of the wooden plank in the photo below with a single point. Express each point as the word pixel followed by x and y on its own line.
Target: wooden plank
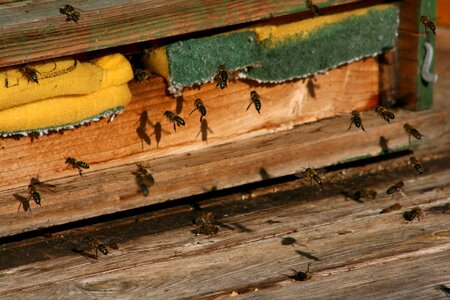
pixel 223 166
pixel 104 145
pixel 443 13
pixel 35 31
pixel 349 241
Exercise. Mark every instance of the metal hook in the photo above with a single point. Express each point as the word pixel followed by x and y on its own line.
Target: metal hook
pixel 427 76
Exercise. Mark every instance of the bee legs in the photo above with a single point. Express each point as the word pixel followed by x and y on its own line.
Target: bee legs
pixel 351 123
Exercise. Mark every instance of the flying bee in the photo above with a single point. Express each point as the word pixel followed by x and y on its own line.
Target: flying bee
pixel 221 77
pixel 144 178
pixel 384 113
pixel 428 24
pixel 72 14
pixel 30 73
pixel 356 119
pixel 301 276
pixel 97 245
pixel 396 188
pixel 415 213
pixel 255 99
pixel 198 103
pixel 411 131
pixel 416 164
pixel 25 202
pixel 313 8
pixel 174 118
pixel 393 207
pixel 34 194
pixel 77 164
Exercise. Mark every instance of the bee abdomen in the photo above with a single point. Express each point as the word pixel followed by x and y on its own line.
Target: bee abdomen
pixel 179 120
pixel 415 133
pixel 36 197
pixel 317 179
pixel 83 165
pixel 102 249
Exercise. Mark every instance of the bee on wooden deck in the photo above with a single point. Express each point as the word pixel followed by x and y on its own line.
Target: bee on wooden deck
pixel 174 118
pixel 301 276
pixel 428 24
pixel 312 174
pixel 384 113
pixel 198 103
pixel 141 129
pixel 72 14
pixel 25 202
pixel 77 164
pixel 411 131
pixel 221 77
pixel 97 245
pixel 30 73
pixel 396 188
pixel 313 8
pixel 393 207
pixel 255 99
pixel 416 165
pixel 368 194
pixel 205 224
pixel 415 213
pixel 144 178
pixel 356 119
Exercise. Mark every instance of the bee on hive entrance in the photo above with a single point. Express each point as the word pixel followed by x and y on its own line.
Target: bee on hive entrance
pixel 396 188
pixel 312 174
pixel 255 99
pixel 301 276
pixel 72 14
pixel 313 8
pixel 384 113
pixel 30 73
pixel 411 131
pixel 77 164
pixel 393 207
pixel 368 194
pixel 205 224
pixel 144 178
pixel 415 213
pixel 97 245
pixel 141 74
pixel 221 77
pixel 25 202
pixel 198 103
pixel 356 119
pixel 174 118
pixel 416 165
pixel 428 24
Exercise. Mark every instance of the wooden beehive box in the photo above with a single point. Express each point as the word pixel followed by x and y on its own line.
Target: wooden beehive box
pixel 303 123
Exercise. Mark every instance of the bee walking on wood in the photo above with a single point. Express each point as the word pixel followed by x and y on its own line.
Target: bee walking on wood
pixel 205 224
pixel 30 73
pixel 428 24
pixel 393 207
pixel 416 165
pixel 255 99
pixel 77 164
pixel 411 131
pixel 72 14
pixel 174 118
pixel 301 276
pixel 356 119
pixel 221 77
pixel 396 188
pixel 313 8
pixel 25 202
pixel 97 245
pixel 368 194
pixel 198 103
pixel 415 213
pixel 384 113
pixel 144 178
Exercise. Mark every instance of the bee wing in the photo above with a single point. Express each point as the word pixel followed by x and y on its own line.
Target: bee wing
pixel 301 174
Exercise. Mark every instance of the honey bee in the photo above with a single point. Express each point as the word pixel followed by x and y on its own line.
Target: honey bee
pixel 301 276
pixel 396 188
pixel 30 73
pixel 141 74
pixel 428 24
pixel 205 224
pixel 254 98
pixel 32 189
pixel 141 129
pixel 144 178
pixel 356 119
pixel 415 213
pixel 416 164
pixel 25 202
pixel 221 77
pixel 313 8
pixel 77 164
pixel 312 174
pixel 198 103
pixel 393 207
pixel 412 132
pixel 384 113
pixel 72 14
pixel 368 194
pixel 174 118
pixel 97 245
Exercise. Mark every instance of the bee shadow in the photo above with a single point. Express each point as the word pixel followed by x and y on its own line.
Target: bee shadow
pixel 307 255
